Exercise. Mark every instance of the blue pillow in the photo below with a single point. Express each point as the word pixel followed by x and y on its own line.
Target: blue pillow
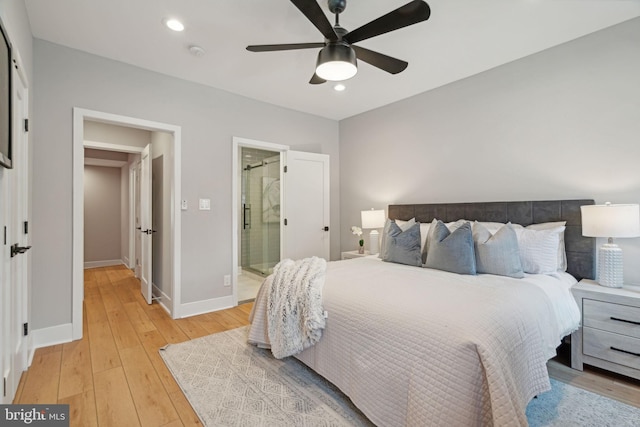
pixel 499 253
pixel 452 251
pixel 403 247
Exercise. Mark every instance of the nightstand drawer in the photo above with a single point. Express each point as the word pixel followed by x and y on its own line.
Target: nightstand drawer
pixel 622 319
pixel 615 348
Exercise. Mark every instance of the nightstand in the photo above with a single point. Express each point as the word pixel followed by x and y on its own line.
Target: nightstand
pixel 610 334
pixel 353 254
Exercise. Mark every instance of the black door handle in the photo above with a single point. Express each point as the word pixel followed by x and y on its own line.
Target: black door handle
pixel 15 249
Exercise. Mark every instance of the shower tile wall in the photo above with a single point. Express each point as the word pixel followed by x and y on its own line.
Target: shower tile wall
pixel 260 244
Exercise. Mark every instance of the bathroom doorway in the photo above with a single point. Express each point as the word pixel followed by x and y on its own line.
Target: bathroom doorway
pixel 260 222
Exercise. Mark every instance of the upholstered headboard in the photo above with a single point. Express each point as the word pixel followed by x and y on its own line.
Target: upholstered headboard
pixel 580 250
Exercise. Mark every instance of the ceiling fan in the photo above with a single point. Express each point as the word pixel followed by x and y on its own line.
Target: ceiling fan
pixel 337 58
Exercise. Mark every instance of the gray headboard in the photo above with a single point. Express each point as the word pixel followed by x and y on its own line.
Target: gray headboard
pixel 580 250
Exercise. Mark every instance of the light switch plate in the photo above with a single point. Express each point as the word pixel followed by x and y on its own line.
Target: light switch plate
pixel 205 204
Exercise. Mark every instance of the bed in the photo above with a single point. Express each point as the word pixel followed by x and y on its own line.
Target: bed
pixel 416 346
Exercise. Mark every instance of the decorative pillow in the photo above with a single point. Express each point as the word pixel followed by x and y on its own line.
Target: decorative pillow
pixel 539 249
pixel 404 246
pixel 498 253
pixel 451 251
pixel 562 254
pixel 404 225
pixel 452 226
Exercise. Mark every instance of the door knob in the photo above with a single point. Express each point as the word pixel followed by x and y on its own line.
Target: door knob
pixel 15 249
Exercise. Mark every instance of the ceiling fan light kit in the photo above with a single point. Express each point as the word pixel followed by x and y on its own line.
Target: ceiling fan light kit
pixel 337 60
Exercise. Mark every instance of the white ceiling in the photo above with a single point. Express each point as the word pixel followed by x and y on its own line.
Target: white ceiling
pixel 462 38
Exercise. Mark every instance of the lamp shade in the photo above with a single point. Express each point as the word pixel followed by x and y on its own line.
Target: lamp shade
pixel 336 62
pixel 373 218
pixel 610 220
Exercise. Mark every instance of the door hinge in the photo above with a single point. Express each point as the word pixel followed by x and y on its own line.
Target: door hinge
pixel 5 235
pixel 25 329
pixel 285 169
pixel 26 227
pixel 4 386
pixel 26 125
pixel 285 221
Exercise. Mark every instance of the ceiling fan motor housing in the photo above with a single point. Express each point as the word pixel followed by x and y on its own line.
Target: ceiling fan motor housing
pixel 337 6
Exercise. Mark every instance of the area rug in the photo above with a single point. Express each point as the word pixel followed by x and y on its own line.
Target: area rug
pixel 231 383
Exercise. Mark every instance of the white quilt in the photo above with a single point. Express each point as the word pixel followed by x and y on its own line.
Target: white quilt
pixel 420 347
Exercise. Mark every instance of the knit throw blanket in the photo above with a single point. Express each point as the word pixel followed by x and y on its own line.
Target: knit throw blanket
pixel 294 305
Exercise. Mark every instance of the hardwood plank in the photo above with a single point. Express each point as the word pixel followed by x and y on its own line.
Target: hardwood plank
pixel 82 409
pixel 104 353
pixel 138 318
pixel 152 341
pixel 187 414
pixel 125 290
pixel 174 423
pixel 149 396
pixel 110 299
pixel 209 324
pixel 114 403
pixel 191 328
pixel 123 332
pixel 167 326
pixel 43 377
pixel 76 376
pixel 95 308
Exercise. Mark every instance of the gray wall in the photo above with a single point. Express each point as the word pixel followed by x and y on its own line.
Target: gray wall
pixel 102 209
pixel 564 123
pixel 66 78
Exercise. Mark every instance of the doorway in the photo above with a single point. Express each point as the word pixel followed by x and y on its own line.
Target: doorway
pixel 171 171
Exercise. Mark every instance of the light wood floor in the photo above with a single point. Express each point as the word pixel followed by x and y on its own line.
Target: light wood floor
pixel 114 376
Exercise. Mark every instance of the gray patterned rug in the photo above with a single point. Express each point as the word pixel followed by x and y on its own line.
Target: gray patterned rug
pixel 231 383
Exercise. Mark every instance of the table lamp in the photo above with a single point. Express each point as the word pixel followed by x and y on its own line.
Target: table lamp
pixel 610 221
pixel 373 219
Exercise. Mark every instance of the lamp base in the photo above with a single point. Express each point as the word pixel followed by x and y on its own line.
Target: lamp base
pixel 373 242
pixel 610 266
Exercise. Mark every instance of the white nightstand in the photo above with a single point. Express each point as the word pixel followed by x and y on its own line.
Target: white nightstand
pixel 610 334
pixel 353 254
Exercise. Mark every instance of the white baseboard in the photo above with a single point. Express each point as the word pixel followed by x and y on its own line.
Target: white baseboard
pixel 200 307
pixel 105 263
pixel 51 336
pixel 125 261
pixel 163 299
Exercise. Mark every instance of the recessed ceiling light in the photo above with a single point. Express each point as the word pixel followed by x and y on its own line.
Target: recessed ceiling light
pixel 174 24
pixel 339 87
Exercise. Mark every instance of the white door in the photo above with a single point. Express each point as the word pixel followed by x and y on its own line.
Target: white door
pixel 15 292
pixel 146 230
pixel 138 224
pixel 306 206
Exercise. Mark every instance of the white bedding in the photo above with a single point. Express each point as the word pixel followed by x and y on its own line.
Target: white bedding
pixel 415 347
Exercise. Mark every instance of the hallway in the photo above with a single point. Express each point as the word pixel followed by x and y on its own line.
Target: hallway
pixel 114 375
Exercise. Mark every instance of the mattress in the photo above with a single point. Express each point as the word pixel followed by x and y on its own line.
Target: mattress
pixel 415 346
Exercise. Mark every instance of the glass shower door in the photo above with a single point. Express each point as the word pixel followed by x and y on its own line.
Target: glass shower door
pixel 261 216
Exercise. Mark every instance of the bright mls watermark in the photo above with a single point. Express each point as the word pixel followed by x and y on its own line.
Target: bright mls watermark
pixel 34 415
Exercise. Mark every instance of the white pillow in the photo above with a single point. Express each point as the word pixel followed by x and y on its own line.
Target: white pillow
pixel 562 254
pixel 539 249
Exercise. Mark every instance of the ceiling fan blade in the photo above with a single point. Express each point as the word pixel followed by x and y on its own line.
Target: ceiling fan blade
pixel 311 9
pixel 316 80
pixel 409 14
pixel 384 62
pixel 275 47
